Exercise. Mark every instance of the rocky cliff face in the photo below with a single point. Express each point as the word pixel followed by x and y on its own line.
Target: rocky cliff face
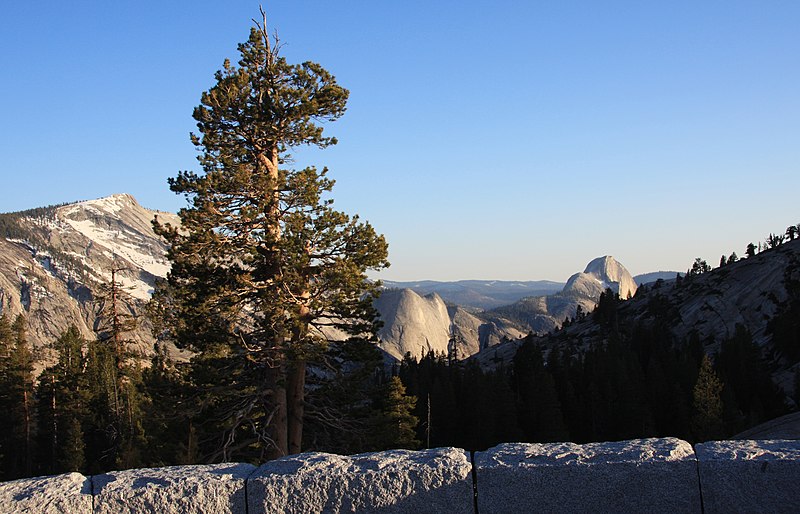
pixel 542 314
pixel 53 261
pixel 419 324
pixel 601 274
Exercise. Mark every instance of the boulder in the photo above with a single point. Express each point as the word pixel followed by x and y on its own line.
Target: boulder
pixel 749 476
pixel 394 481
pixel 647 475
pixel 71 493
pixel 208 489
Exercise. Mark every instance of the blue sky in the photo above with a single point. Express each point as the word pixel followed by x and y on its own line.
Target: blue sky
pixel 485 139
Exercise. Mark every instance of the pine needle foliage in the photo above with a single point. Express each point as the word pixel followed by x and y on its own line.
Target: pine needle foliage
pixel 262 264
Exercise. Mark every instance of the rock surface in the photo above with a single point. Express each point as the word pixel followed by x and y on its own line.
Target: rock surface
pixel 647 475
pixel 412 323
pixel 394 481
pixel 784 427
pixel 419 324
pixel 51 272
pixel 71 493
pixel 749 476
pixel 543 314
pixel 600 274
pixel 209 489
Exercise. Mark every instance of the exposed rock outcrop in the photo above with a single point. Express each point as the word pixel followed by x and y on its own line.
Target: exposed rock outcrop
pixel 600 274
pixel 784 427
pixel 419 324
pixel 543 314
pixel 750 293
pixel 412 323
pixel 52 269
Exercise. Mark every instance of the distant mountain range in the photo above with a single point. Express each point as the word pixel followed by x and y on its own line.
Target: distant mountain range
pixel 760 295
pixel 53 260
pixel 647 278
pixel 418 324
pixel 480 294
pixel 542 314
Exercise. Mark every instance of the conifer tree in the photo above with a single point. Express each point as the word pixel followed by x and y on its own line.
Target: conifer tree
pixel 118 399
pixel 63 398
pixel 18 403
pixel 169 424
pixel 262 263
pixel 397 424
pixel 707 418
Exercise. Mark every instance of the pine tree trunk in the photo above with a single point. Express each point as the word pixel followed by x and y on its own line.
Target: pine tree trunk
pixel 296 405
pixel 276 404
pixel 296 377
pixel 276 375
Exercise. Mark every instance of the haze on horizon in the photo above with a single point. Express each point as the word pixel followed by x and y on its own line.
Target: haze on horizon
pixel 486 140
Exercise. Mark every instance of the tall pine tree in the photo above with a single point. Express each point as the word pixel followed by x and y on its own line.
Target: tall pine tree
pixel 262 264
pixel 118 398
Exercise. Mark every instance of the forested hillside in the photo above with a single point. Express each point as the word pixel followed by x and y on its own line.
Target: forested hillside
pixel 700 357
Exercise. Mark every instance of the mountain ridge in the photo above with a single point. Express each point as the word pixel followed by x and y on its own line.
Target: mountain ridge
pixel 53 261
pixel 751 294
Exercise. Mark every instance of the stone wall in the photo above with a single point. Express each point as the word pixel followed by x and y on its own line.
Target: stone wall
pixel 653 475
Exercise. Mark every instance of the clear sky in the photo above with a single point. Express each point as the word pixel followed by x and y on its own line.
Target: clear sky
pixel 485 139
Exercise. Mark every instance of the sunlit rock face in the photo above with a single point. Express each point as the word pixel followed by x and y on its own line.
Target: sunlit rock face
pixel 52 270
pixel 601 274
pixel 436 480
pixel 643 475
pixel 419 324
pixel 653 475
pixel 412 323
pixel 543 314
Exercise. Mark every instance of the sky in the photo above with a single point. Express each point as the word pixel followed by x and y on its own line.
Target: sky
pixel 485 139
